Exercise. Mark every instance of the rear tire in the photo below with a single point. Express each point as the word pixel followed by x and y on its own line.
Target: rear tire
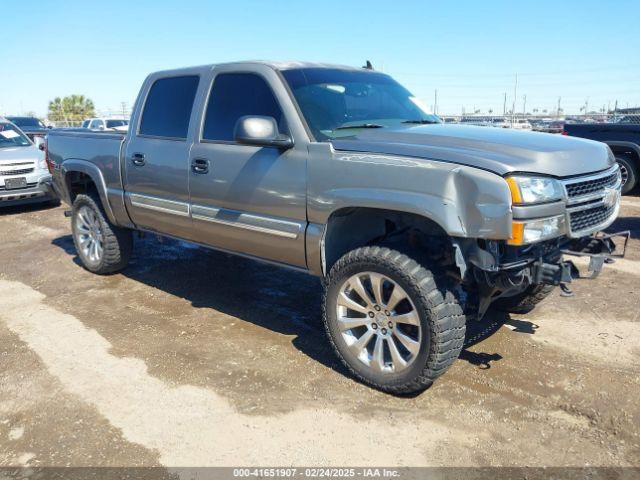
pixel 524 302
pixel 102 247
pixel 400 339
pixel 629 172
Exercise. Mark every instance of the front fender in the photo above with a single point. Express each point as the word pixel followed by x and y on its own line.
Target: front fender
pixel 465 201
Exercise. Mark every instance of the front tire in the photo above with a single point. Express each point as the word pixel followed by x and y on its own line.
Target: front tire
pixel 393 323
pixel 102 247
pixel 523 302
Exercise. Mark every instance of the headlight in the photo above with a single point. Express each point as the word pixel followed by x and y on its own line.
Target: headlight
pixel 531 231
pixel 529 190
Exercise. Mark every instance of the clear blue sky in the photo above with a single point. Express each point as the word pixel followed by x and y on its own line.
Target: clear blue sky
pixel 468 50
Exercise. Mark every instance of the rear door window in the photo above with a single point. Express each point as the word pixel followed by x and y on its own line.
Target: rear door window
pixel 167 109
pixel 234 95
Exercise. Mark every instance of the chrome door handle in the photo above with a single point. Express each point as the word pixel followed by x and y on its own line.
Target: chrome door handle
pixel 200 165
pixel 138 159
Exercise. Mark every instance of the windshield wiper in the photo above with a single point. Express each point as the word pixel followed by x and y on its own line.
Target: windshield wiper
pixel 421 121
pixel 361 125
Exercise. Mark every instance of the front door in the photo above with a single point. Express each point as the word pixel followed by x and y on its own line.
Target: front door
pixel 157 158
pixel 247 199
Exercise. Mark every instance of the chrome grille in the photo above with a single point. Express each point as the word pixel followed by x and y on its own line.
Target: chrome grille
pixel 590 204
pixel 22 171
pixel 589 187
pixel 591 217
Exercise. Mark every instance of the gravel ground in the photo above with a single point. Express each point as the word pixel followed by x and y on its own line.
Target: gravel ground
pixel 193 357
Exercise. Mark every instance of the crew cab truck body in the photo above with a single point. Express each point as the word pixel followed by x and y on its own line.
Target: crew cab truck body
pixel 624 141
pixel 415 226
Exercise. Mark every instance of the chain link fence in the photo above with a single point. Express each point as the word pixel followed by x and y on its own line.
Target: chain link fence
pixel 547 123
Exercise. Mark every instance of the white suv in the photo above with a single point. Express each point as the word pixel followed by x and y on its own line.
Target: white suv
pixel 521 124
pixel 100 124
pixel 24 177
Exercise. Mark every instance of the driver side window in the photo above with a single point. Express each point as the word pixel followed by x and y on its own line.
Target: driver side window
pixel 234 95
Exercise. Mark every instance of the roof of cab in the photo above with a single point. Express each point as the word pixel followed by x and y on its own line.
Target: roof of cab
pixel 276 65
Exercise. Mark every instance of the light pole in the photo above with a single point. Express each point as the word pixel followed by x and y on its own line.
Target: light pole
pixel 515 95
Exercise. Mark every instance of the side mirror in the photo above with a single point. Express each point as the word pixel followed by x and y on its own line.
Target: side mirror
pixel 261 131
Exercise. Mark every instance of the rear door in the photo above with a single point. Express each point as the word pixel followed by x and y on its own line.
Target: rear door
pixel 249 199
pixel 156 157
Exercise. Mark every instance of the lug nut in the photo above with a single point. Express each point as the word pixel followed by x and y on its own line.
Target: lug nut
pixel 384 331
pixel 387 313
pixel 377 307
pixel 390 324
pixel 374 326
pixel 371 314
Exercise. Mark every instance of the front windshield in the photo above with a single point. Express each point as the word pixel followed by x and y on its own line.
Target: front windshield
pixel 117 123
pixel 10 136
pixel 336 102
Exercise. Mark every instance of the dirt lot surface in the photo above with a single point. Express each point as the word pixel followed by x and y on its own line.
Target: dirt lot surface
pixel 192 357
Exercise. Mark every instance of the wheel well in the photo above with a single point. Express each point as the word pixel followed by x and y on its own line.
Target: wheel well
pixel 79 183
pixel 628 152
pixel 415 235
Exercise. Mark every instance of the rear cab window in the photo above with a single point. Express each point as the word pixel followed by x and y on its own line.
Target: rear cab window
pixel 167 109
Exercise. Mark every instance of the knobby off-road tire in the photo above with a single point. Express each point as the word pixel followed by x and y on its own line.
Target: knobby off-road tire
pixel 524 302
pixel 111 246
pixel 429 315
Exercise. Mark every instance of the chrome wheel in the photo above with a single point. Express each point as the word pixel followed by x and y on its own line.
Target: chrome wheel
pixel 89 234
pixel 378 322
pixel 624 173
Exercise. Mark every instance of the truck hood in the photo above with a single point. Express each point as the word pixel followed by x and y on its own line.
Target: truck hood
pixel 498 150
pixel 19 154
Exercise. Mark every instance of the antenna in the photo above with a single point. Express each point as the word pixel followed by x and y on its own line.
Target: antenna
pixel 368 66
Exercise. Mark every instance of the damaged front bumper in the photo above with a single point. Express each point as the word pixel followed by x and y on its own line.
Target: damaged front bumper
pixel 498 270
pixel 600 248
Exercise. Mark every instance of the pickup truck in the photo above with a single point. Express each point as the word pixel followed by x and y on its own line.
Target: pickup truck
pixel 624 140
pixel 416 227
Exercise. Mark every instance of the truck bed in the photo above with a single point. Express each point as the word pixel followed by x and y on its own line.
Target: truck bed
pixel 96 154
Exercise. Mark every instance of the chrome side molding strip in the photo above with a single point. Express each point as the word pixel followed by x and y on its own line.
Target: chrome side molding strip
pixel 231 218
pixel 246 221
pixel 159 204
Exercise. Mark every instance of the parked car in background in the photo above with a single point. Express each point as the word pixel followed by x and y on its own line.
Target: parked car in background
pixel 629 119
pixel 416 226
pixel 520 124
pixel 113 124
pixel 24 177
pixel 623 140
pixel 547 126
pixel 499 122
pixel 556 126
pixel 32 127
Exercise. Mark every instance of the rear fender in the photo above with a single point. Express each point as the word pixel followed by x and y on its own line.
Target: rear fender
pixel 93 172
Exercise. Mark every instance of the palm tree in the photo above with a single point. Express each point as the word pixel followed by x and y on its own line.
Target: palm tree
pixel 72 109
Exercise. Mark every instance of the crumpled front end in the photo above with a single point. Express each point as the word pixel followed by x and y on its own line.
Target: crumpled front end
pixel 590 204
